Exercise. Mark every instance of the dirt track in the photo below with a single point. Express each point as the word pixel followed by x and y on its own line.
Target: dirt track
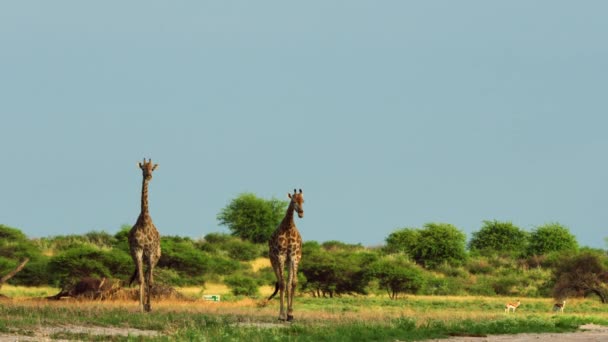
pixel 588 333
pixel 44 333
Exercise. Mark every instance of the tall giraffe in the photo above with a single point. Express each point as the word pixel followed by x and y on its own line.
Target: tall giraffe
pixel 144 241
pixel 285 249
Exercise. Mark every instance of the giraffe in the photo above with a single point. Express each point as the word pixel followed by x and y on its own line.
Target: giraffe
pixel 285 249
pixel 144 241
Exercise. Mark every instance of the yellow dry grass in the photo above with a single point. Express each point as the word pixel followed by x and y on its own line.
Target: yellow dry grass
pixel 259 263
pixel 28 292
pixel 329 311
pixel 209 289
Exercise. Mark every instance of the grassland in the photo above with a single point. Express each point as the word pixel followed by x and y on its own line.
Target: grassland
pixel 318 319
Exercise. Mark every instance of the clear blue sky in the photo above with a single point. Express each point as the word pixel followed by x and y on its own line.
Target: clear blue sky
pixel 387 114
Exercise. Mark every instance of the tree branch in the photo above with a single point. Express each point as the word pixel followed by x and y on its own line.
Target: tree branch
pixel 13 272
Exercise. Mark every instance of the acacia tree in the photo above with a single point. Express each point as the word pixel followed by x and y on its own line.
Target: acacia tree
pixel 16 250
pixel 397 274
pixel 581 275
pixel 334 271
pixel 501 237
pixel 551 237
pixel 252 218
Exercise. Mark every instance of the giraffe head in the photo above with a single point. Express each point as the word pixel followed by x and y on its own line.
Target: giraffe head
pixel 147 168
pixel 298 202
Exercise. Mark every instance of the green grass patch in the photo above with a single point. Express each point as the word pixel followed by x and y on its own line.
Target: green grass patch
pixel 317 319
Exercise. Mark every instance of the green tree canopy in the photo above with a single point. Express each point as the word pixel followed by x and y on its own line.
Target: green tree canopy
pixel 439 243
pixel 75 263
pixel 15 245
pixel 498 237
pixel 402 241
pixel 397 274
pixel 551 237
pixel 252 218
pixel 334 271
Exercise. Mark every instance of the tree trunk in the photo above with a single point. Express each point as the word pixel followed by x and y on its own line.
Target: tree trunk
pixel 13 272
pixel 600 294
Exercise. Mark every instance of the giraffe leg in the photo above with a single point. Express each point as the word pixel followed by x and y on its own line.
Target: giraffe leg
pixel 140 273
pixel 292 283
pixel 147 305
pixel 278 266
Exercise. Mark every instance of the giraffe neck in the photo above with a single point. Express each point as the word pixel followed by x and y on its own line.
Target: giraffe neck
pixel 144 198
pixel 288 220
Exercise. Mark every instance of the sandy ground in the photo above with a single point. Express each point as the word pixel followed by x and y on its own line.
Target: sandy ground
pixel 587 333
pixel 44 333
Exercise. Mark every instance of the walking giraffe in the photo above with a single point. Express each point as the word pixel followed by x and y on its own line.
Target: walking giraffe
pixel 285 249
pixel 144 241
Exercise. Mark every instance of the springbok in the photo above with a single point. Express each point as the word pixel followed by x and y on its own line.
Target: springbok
pixel 559 306
pixel 510 306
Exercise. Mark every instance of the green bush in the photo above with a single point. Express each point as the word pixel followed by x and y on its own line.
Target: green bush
pixel 443 286
pixel 14 245
pixel 482 286
pixel 243 250
pixel 507 285
pixel 403 240
pixel 232 247
pixel 498 237
pixel 440 243
pixel 172 277
pixel 35 273
pixel 397 275
pixel 329 273
pixel 85 261
pixel 242 285
pixel 479 265
pixel 552 237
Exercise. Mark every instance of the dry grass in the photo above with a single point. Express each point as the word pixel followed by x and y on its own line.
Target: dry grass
pixel 250 309
pixel 197 292
pixel 28 292
pixel 322 311
pixel 260 263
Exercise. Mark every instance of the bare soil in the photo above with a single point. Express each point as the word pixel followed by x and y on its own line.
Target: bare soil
pixel 587 333
pixel 44 333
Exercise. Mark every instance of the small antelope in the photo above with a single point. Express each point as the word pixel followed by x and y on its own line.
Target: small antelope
pixel 510 306
pixel 559 306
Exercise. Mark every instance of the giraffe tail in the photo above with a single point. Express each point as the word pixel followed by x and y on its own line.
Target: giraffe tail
pixel 133 277
pixel 276 289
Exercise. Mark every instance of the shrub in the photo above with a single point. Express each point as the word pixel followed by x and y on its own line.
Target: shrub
pixel 242 250
pixel 552 237
pixel 402 241
pixel 440 243
pixel 498 237
pixel 85 261
pixel 443 286
pixel 334 272
pixel 479 266
pixel 580 275
pixel 242 285
pixel 397 275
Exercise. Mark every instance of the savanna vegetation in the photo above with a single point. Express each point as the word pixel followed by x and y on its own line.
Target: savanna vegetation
pixel 499 261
